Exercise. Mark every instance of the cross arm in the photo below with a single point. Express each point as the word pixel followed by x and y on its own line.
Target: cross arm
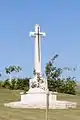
pixel 43 34
pixel 33 34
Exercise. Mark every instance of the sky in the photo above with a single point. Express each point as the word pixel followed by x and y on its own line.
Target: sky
pixel 59 19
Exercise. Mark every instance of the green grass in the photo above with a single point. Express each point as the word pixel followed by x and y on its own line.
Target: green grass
pixel 31 114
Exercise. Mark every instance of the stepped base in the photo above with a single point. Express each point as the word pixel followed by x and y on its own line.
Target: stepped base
pixel 55 105
pixel 36 98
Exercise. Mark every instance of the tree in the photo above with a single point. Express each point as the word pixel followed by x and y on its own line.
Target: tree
pixel 11 69
pixel 6 84
pixel 1 83
pixel 13 84
pixel 55 82
pixel 70 85
pixel 52 74
pixel 22 84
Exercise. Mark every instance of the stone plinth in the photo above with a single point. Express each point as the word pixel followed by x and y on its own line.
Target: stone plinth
pixel 36 98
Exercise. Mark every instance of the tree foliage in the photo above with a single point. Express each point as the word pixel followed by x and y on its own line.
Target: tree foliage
pixel 22 84
pixel 53 75
pixel 15 84
pixel 55 82
pixel 13 68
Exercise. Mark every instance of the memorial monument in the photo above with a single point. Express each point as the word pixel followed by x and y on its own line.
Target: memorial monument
pixel 36 96
pixel 37 79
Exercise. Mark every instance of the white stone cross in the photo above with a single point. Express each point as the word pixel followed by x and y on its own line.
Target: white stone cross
pixel 37 34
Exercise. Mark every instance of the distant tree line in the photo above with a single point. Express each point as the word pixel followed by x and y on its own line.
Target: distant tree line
pixel 15 84
pixel 53 75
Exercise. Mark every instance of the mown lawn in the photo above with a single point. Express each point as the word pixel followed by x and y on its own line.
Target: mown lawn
pixel 31 114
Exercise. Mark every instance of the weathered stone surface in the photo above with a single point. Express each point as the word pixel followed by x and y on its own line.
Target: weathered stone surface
pixel 36 98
